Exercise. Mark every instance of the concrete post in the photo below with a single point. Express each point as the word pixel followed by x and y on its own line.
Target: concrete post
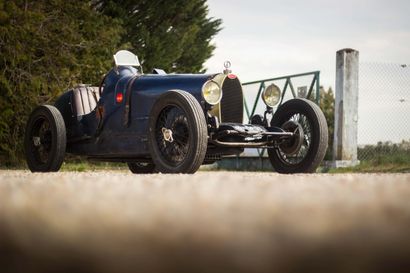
pixel 346 108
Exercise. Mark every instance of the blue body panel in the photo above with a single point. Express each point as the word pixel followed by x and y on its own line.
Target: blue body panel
pixel 116 139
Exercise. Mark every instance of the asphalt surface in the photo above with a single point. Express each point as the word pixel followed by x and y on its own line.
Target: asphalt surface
pixel 207 222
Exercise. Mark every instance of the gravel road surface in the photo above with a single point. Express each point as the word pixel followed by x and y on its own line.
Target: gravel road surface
pixel 207 222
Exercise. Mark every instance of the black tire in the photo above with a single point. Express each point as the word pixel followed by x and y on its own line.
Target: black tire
pixel 311 150
pixel 45 139
pixel 140 168
pixel 179 112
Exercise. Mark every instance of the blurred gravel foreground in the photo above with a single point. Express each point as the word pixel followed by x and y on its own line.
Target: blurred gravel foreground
pixel 208 222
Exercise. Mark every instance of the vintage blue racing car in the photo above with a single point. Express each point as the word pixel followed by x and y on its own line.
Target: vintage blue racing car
pixel 171 123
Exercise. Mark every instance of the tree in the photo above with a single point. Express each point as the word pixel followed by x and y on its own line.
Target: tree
pixel 46 47
pixel 173 35
pixel 327 104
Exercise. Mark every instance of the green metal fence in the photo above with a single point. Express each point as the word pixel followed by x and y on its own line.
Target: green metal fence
pixel 309 81
pixel 314 87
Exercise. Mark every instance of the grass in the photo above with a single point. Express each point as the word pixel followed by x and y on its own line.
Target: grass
pixel 363 167
pixel 76 165
pixel 383 163
pixel 84 166
pixel 385 157
pixel 382 158
pixel 371 167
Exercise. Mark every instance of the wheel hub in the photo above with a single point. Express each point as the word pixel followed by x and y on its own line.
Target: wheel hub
pixel 36 141
pixel 167 133
pixel 293 145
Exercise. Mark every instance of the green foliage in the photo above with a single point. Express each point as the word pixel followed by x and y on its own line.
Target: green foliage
pixel 46 47
pixel 327 104
pixel 386 153
pixel 172 35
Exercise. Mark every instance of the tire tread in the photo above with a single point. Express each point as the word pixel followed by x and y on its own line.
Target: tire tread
pixel 200 143
pixel 54 116
pixel 313 164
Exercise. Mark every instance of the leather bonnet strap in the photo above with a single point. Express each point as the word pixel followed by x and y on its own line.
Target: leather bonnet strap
pixel 128 100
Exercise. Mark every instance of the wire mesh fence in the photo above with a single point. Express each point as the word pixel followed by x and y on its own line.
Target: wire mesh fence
pixel 384 111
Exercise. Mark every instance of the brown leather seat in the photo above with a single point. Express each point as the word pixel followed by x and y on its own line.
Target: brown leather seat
pixel 84 99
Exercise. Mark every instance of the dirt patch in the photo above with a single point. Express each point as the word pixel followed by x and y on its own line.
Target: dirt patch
pixel 207 222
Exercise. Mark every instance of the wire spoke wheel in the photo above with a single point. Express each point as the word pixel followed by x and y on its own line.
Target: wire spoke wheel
pixel 45 139
pixel 304 152
pixel 172 118
pixel 177 133
pixel 303 139
pixel 41 138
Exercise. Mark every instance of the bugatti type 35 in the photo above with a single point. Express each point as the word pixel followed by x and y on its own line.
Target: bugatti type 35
pixel 172 123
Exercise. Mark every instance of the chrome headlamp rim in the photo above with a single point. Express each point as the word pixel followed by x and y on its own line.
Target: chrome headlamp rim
pixel 220 90
pixel 272 85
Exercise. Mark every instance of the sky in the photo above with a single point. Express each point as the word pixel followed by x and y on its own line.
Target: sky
pixel 266 39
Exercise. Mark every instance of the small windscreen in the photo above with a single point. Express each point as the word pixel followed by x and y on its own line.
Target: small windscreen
pixel 126 58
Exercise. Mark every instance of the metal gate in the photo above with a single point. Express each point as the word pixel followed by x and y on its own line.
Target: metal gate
pixel 304 85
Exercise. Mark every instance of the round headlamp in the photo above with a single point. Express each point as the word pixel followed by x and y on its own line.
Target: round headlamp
pixel 271 95
pixel 212 92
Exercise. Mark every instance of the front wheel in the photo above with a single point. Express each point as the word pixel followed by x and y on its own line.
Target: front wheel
pixel 304 152
pixel 178 133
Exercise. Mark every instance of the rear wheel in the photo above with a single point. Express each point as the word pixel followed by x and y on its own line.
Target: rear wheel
pixel 139 167
pixel 305 151
pixel 177 133
pixel 45 139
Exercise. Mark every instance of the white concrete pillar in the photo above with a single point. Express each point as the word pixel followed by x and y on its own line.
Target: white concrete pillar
pixel 346 108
